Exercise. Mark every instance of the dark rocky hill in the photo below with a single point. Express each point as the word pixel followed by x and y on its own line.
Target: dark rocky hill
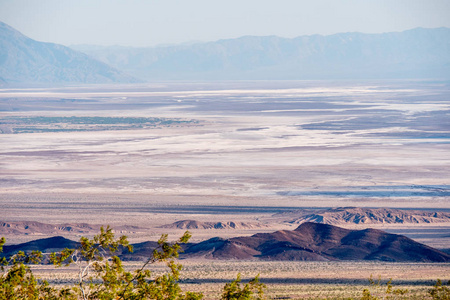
pixel 314 241
pixel 46 245
pixel 309 242
pixel 141 251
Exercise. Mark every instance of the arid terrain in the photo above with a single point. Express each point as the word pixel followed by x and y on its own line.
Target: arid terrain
pixel 292 280
pixel 141 157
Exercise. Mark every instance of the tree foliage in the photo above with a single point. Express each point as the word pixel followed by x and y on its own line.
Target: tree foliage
pixel 18 282
pixel 440 291
pixel 378 291
pixel 102 275
pixel 235 291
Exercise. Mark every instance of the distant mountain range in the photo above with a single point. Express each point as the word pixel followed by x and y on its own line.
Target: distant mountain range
pixel 416 53
pixel 23 60
pixel 310 242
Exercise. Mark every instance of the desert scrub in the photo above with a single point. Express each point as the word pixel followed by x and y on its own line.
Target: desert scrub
pixel 19 282
pixel 234 290
pixel 440 291
pixel 101 274
pixel 108 276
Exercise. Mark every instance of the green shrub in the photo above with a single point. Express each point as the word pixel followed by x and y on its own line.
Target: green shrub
pixel 102 275
pixel 235 291
pixel 440 291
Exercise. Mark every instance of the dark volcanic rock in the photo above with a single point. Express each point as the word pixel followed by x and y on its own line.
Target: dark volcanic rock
pixel 221 249
pixel 314 241
pixel 141 251
pixel 47 245
pixel 310 241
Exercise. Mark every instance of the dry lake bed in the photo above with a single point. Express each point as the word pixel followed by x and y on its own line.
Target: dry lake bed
pixel 149 155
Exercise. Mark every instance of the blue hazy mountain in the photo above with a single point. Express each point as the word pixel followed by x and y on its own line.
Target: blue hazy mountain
pixel 23 60
pixel 416 53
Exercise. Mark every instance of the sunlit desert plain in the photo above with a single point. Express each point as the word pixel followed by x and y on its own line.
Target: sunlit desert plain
pixel 141 157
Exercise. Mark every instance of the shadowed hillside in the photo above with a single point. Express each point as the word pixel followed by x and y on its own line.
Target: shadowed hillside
pixel 319 242
pixel 56 243
pixel 309 242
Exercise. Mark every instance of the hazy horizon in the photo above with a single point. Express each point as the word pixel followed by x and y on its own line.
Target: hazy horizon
pixel 193 42
pixel 150 23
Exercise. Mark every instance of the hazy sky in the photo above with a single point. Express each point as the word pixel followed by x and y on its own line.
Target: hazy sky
pixel 149 22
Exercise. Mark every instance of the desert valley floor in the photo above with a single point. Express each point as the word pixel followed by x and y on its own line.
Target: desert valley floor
pixel 141 157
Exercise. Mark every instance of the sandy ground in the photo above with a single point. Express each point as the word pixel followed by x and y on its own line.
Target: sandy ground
pixel 298 280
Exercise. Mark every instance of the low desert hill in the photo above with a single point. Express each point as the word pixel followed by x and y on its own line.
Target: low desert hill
pixel 362 215
pixel 141 251
pixel 38 228
pixel 192 224
pixel 47 245
pixel 319 242
pixel 310 242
